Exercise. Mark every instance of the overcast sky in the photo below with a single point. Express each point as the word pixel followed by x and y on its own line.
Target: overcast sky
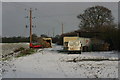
pixel 48 15
pixel 0 19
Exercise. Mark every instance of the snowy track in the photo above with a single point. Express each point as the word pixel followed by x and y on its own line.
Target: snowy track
pixel 51 64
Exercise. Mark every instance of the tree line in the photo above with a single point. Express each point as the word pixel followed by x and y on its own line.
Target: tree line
pixel 100 19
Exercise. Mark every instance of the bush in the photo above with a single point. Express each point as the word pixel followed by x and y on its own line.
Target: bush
pixel 26 52
pixel 19 49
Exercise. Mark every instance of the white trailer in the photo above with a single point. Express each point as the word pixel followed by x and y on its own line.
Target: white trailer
pixel 76 44
pixel 72 44
pixel 86 42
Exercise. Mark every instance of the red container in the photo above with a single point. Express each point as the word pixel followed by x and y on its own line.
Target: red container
pixel 35 46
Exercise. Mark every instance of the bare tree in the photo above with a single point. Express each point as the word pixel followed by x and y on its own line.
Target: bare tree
pixel 95 17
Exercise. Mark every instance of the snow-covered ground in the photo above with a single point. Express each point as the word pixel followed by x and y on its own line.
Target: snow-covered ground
pixel 48 63
pixel 10 47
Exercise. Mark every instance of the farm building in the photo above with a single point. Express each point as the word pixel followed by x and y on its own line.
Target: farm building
pixel 89 43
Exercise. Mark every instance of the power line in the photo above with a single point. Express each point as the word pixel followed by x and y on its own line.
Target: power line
pixel 53 17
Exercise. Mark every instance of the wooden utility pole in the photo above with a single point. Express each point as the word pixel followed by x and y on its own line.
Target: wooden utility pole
pixel 48 32
pixel 53 31
pixel 30 21
pixel 77 34
pixel 30 25
pixel 62 28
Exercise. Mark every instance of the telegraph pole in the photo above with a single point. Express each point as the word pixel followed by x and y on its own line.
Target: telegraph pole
pixel 48 32
pixel 30 25
pixel 53 32
pixel 77 34
pixel 62 28
pixel 30 17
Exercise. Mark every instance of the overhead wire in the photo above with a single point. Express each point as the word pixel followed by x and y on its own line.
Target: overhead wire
pixel 52 18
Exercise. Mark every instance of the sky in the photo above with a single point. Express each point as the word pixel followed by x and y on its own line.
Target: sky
pixel 49 16
pixel 60 1
pixel 0 19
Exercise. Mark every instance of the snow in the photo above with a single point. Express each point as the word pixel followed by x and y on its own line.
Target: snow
pixel 48 63
pixel 10 47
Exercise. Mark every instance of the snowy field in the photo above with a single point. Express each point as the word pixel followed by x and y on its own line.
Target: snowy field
pixel 10 47
pixel 49 63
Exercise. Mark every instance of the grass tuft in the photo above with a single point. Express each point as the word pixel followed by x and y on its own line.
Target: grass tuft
pixel 26 52
pixel 19 49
